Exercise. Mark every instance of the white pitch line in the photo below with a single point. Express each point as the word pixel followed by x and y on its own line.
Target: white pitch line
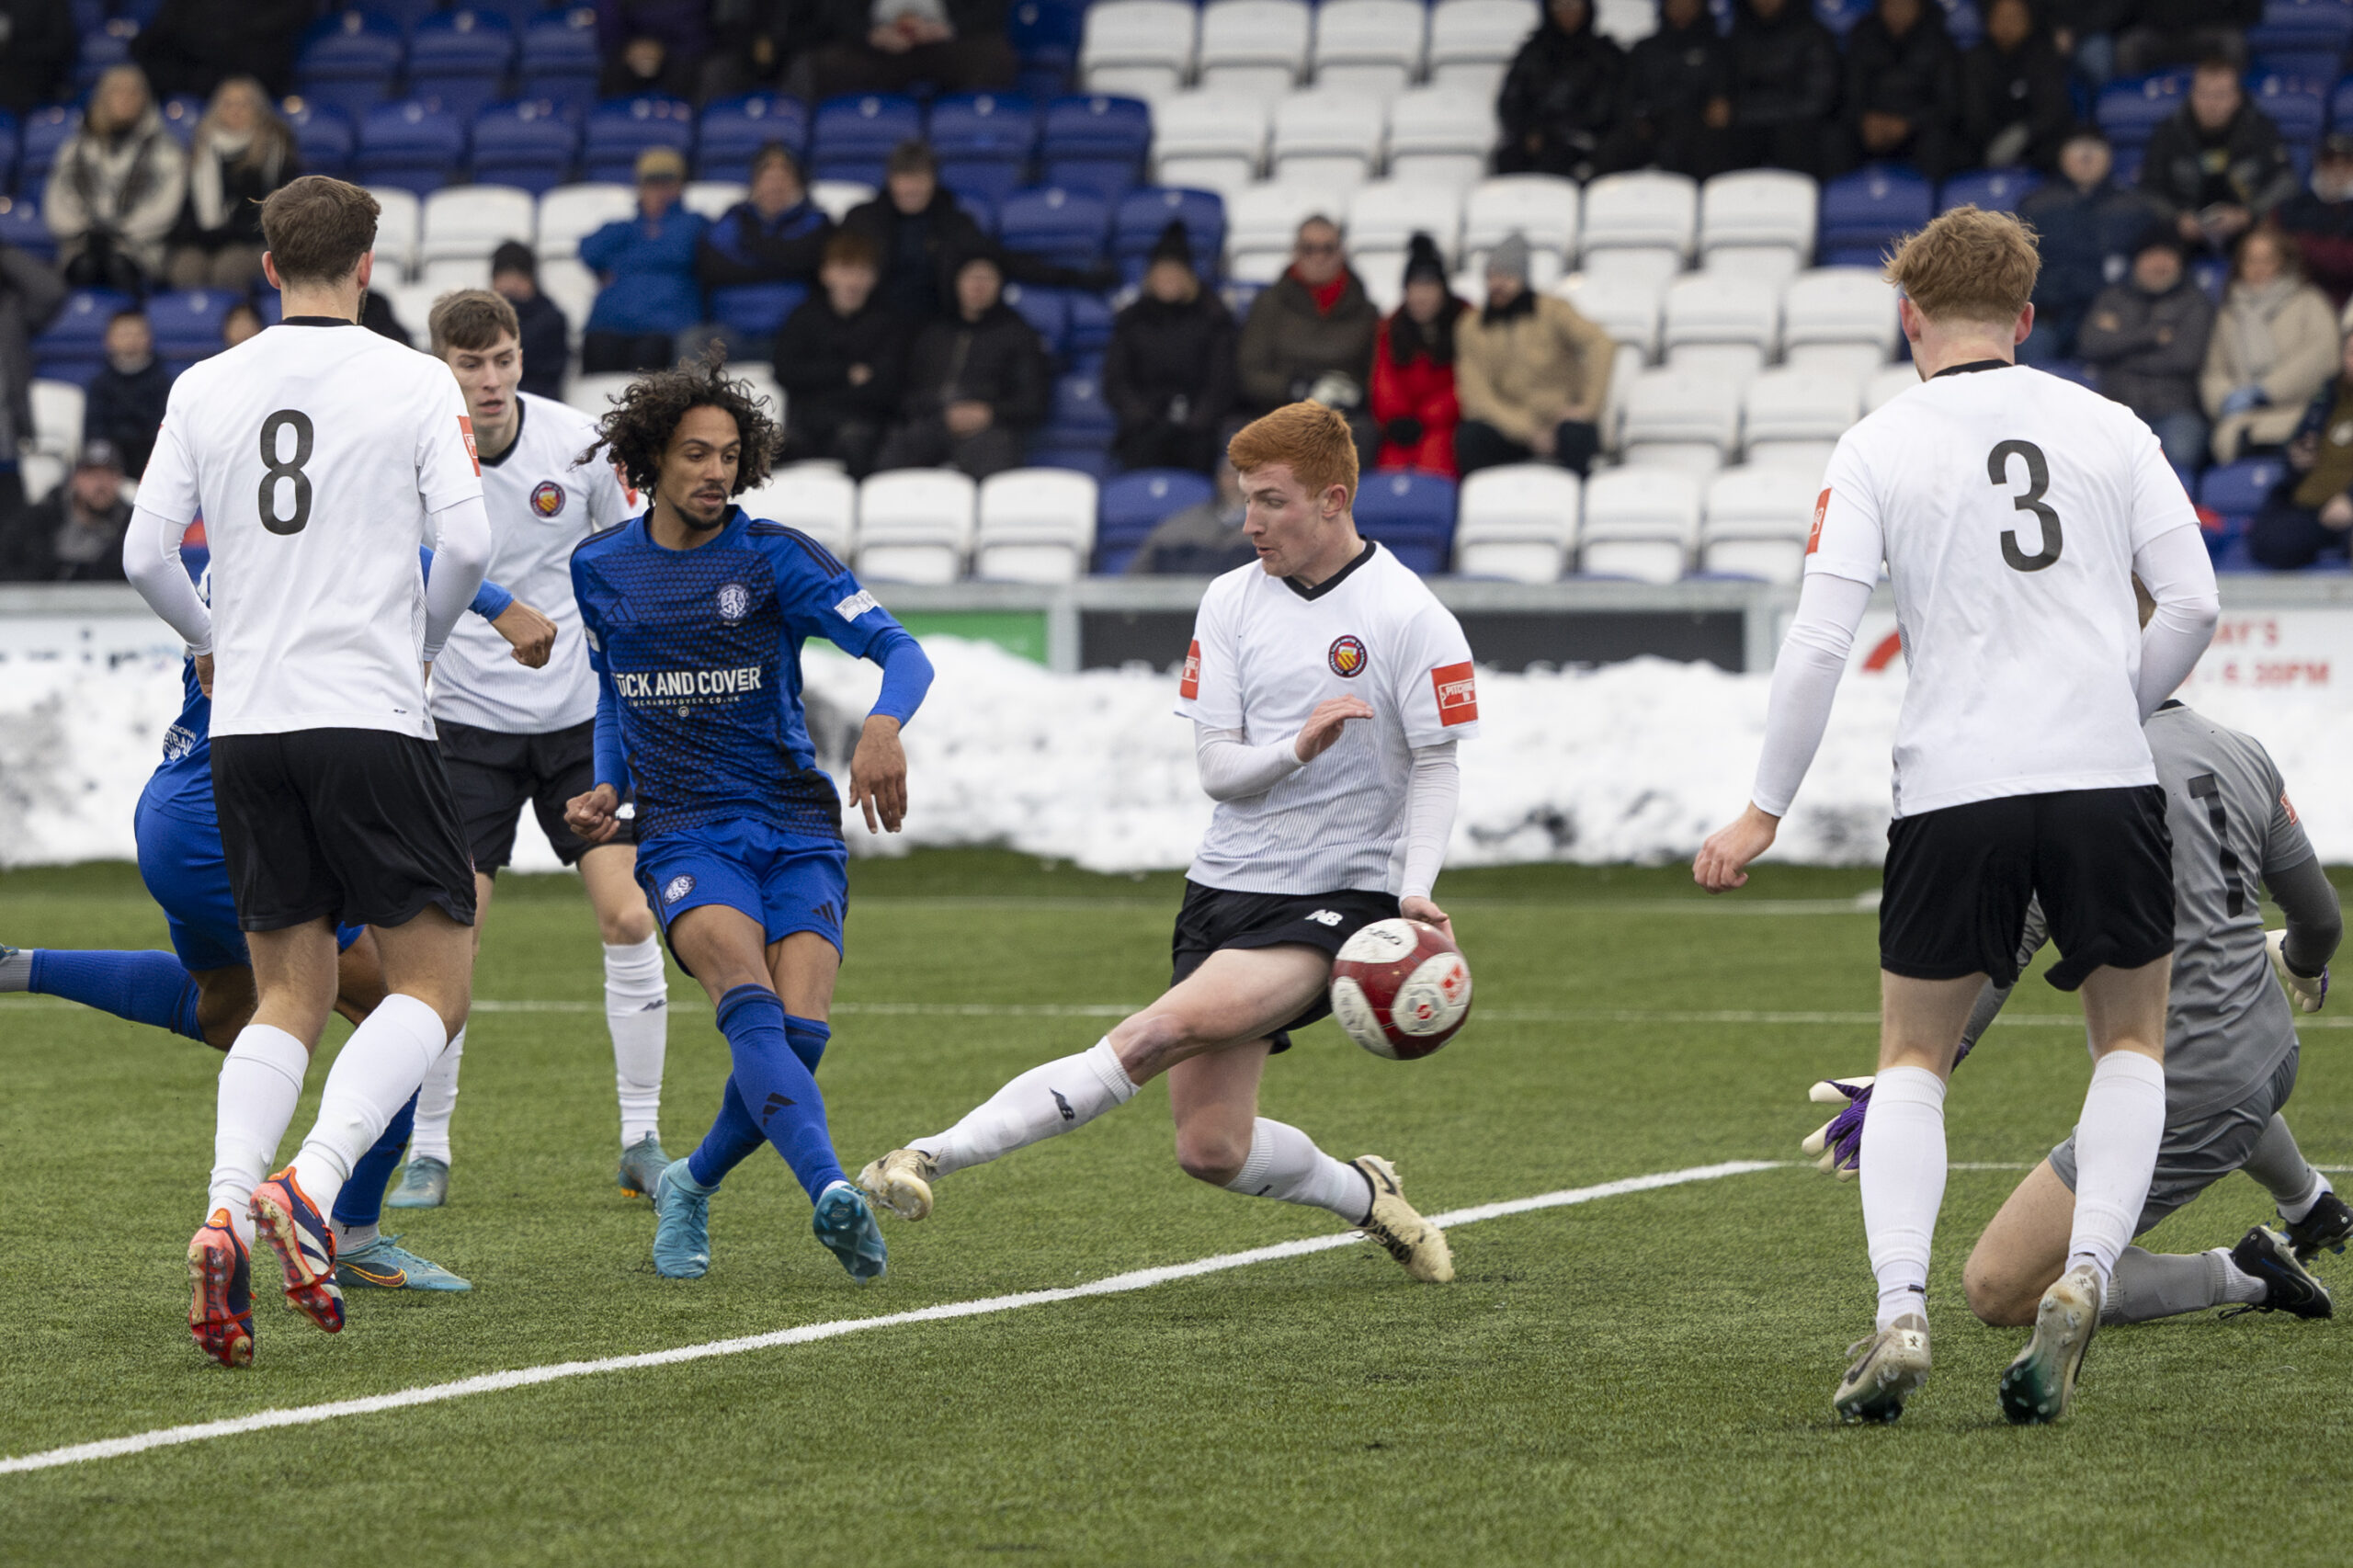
pixel 1116 1284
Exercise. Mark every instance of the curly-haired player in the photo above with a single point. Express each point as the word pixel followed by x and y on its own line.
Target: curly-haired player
pixel 695 614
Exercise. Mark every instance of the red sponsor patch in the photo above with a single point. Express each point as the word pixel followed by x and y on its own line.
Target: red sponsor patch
pixel 1191 686
pixel 2289 806
pixel 1813 536
pixel 466 428
pixel 1458 693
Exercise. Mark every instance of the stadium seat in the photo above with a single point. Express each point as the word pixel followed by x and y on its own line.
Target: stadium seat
pixel 1257 47
pixel 399 224
pixel 1131 505
pixel 1262 222
pixel 73 347
pixel 323 136
pixel 1090 328
pixel 460 59
pixel 620 129
pixel 835 198
pixel 1137 222
pixel 1639 224
pixel 1037 525
pixel 41 472
pixel 2297 104
pixel 1209 141
pixel 1065 227
pixel 1439 136
pixel 1626 21
pixel 8 141
pixel 713 197
pixel 980 126
pixel 1044 35
pixel 469 222
pixel 1629 309
pixel 1332 140
pixel 574 288
pixel 44 131
pixel 57 418
pixel 733 129
pixel 1996 190
pixel 1839 319
pixel 817 498
pixel 1382 220
pixel 1370 46
pixel 1544 209
pixel 1472 40
pixel 1046 309
pixel 1759 223
pixel 529 144
pixel 914 525
pixel 1078 417
pixel 1862 212
pixel 20 226
pixel 410 145
pixel 560 57
pixel 179 114
pixel 1412 514
pixel 102 48
pixel 2130 111
pixel 570 212
pixel 853 135
pixel 1687 419
pixel 592 394
pixel 412 304
pixel 1793 418
pixel 1640 522
pixel 1518 522
pixel 2241 489
pixel 756 309
pixel 1757 520
pixel 2324 26
pixel 1886 384
pixel 1095 143
pixel 1140 47
pixel 349 61
pixel 1721 322
pixel 187 322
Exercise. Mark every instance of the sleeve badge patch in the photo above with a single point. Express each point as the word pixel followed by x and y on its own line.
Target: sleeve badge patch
pixel 1813 535
pixel 1457 687
pixel 857 604
pixel 1191 686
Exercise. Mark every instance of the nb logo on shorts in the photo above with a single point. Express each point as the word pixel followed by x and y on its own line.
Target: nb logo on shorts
pixel 677 889
pixel 1326 917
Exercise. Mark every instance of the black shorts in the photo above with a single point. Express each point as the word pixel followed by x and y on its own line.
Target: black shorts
pixel 356 825
pixel 1958 881
pixel 1213 919
pixel 494 774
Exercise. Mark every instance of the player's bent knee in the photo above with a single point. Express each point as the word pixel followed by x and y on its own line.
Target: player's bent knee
pixel 1213 1158
pixel 626 928
pixel 1997 1298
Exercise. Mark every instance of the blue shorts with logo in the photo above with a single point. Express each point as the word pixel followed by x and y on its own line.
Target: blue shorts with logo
pixel 181 863
pixel 788 881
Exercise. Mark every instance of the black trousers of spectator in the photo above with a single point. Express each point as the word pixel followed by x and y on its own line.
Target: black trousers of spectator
pixel 1478 445
pixel 928 443
pixel 960 65
pixel 1163 444
pixel 849 442
pixel 2286 537
pixel 610 353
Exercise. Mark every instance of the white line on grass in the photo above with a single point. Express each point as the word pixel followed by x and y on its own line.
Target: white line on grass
pixel 1116 1284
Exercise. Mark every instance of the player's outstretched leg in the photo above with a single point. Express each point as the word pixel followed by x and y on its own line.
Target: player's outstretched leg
pixel 1042 1103
pixel 144 987
pixel 2288 1286
pixel 425 1180
pixel 2314 1217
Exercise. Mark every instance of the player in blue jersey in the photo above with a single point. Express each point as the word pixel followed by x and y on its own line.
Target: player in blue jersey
pixel 203 989
pixel 695 615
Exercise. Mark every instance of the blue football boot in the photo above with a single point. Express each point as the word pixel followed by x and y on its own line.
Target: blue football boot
pixel 845 1225
pixel 681 1225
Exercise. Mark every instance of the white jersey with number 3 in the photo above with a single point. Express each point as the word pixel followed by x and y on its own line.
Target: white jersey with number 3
pixel 316 455
pixel 2008 504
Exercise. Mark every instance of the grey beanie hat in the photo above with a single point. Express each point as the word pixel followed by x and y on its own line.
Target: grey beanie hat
pixel 1511 257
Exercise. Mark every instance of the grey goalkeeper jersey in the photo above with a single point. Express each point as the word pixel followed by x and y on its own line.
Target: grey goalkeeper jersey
pixel 2228 1025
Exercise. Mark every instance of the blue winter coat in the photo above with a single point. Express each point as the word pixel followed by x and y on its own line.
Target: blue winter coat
pixel 651 265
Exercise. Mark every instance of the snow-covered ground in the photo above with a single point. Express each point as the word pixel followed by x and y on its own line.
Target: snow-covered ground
pixel 1635 761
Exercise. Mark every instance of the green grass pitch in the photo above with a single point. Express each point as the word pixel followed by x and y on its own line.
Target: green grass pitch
pixel 1642 1379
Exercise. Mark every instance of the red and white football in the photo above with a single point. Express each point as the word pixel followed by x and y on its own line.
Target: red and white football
pixel 1400 989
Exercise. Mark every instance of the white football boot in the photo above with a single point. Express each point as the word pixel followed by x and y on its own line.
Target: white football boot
pixel 2040 1385
pixel 1887 1369
pixel 901 1182
pixel 1393 1223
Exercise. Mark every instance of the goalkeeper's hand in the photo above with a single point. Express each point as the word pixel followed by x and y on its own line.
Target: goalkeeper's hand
pixel 2305 991
pixel 1838 1142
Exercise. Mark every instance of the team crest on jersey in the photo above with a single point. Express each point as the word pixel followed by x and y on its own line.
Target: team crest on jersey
pixel 1347 656
pixel 676 888
pixel 735 603
pixel 547 498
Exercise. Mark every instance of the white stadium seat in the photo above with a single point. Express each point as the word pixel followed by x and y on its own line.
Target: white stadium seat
pixel 57 417
pixel 914 525
pixel 41 472
pixel 1472 40
pixel 572 287
pixel 1626 308
pixel 1372 46
pixel 1759 223
pixel 1639 224
pixel 1888 383
pixel 1253 47
pixel 1544 208
pixel 1794 417
pixel 1626 21
pixel 469 222
pixel 591 395
pixel 1383 218
pixel 835 198
pixel 1839 318
pixel 1209 141
pixel 1720 322
pixel 1518 522
pixel 1687 419
pixel 412 305
pixel 817 498
pixel 1440 137
pixel 571 212
pixel 761 378
pixel 1144 47
pixel 1331 140
pixel 1640 522
pixel 397 222
pixel 1758 518
pixel 1262 222
pixel 1037 525
pixel 713 197
pixel 455 272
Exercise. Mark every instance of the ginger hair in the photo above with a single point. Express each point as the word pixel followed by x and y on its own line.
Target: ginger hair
pixel 1314 440
pixel 1968 265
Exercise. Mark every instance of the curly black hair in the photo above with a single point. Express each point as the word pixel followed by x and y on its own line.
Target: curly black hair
pixel 645 414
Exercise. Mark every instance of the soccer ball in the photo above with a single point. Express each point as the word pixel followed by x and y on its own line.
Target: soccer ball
pixel 1400 989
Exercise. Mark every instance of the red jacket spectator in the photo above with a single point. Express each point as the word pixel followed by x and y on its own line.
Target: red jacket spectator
pixel 1413 369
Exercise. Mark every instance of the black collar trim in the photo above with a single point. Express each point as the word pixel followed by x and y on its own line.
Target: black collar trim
pixel 2171 703
pixel 1334 580
pixel 1973 365
pixel 519 412
pixel 316 321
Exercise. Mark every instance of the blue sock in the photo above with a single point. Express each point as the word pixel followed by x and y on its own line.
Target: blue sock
pixel 145 987
pixel 734 1136
pixel 362 1201
pixel 807 1037
pixel 778 1094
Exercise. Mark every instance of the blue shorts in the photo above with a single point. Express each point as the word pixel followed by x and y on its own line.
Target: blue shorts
pixel 181 863
pixel 788 881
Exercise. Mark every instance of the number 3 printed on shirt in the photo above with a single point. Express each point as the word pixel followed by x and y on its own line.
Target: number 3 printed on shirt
pixel 2037 479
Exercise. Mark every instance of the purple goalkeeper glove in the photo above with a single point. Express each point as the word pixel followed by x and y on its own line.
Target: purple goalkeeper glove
pixel 1838 1142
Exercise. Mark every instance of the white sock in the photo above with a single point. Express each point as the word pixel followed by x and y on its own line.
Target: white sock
pixel 1035 1106
pixel 436 1101
pixel 348 1237
pixel 2116 1152
pixel 1903 1185
pixel 379 1067
pixel 637 1010
pixel 260 1082
pixel 2238 1285
pixel 1286 1166
pixel 2295 1211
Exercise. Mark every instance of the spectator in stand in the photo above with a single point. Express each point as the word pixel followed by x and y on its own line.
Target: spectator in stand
pixel 1785 76
pixel 1413 368
pixel 1902 72
pixel 547 335
pixel 1531 373
pixel 2083 31
pixel 124 402
pixel 1203 539
pixel 647 266
pixel 73 534
pixel 888 46
pixel 2174 32
pixel 376 316
pixel 2146 336
pixel 778 235
pixel 30 295
pixel 37 48
pixel 2015 105
pixel 841 358
pixel 2274 346
pixel 2087 227
pixel 1310 337
pixel 241 153
pixel 116 188
pixel 238 323
pixel 2310 515
pixel 193 46
pixel 915 227
pixel 1168 374
pixel 976 384
pixel 1561 98
pixel 1678 94
pixel 652 46
pixel 2320 219
pixel 751 43
pixel 2218 165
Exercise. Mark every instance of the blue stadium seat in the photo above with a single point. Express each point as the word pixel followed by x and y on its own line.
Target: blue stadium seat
pixel 89 15
pixel 851 136
pixel 1996 190
pixel 102 48
pixel 1080 418
pixel 2303 25
pixel 461 58
pixel 73 346
pixel 1411 513
pixel 2129 111
pixel 1840 16
pixel 2241 489
pixel 1142 214
pixel 8 137
pixel 1131 505
pixel 733 129
pixel 20 226
pixel 180 112
pixel 1001 126
pixel 139 11
pixel 188 322
pixel 1046 309
pixel 1066 227
pixel 2298 104
pixel 324 135
pixel 349 60
pixel 1096 144
pixel 530 143
pixel 411 145
pixel 403 14
pixel 1090 326
pixel 620 129
pixel 1094 461
pixel 985 181
pixel 1871 206
pixel 559 55
pixel 756 309
pixel 2321 66
pixel 45 131
pixel 1045 35
pixel 977 203
pixel 519 13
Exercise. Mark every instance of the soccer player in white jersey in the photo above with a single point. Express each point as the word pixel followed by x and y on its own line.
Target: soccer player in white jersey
pixel 319 455
pixel 512 736
pixel 1327 688
pixel 2012 510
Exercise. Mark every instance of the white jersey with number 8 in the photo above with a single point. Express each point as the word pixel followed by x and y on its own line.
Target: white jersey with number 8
pixel 2008 504
pixel 315 455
